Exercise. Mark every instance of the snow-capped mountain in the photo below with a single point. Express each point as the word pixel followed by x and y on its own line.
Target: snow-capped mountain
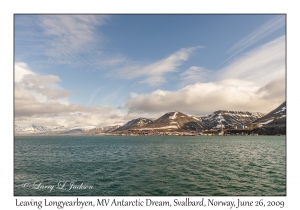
pixel 180 121
pixel 226 118
pixel 58 129
pixel 135 124
pixel 105 129
pixel 277 117
pixel 39 129
pixel 169 121
pixel 176 121
pixel 31 129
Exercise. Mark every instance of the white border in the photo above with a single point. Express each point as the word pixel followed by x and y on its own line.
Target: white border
pixel 8 8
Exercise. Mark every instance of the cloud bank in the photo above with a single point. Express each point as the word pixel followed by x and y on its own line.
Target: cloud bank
pixel 40 100
pixel 204 98
pixel 253 82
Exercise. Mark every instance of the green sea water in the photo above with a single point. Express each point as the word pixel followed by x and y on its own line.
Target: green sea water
pixel 150 165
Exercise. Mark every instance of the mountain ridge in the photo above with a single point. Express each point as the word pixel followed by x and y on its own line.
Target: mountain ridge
pixel 273 123
pixel 170 121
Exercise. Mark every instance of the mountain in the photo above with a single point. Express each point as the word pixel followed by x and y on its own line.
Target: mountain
pixel 175 121
pixel 183 122
pixel 273 123
pixel 108 129
pixel 169 121
pixel 102 130
pixel 135 124
pixel 58 130
pixel 277 117
pixel 31 129
pixel 39 129
pixel 76 131
pixel 230 118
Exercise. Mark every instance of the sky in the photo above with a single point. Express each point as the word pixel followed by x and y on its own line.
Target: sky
pixel 100 70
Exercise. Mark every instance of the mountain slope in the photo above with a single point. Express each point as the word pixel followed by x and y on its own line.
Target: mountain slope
pixel 39 129
pixel 277 117
pixel 102 130
pixel 174 121
pixel 135 124
pixel 230 118
pixel 31 129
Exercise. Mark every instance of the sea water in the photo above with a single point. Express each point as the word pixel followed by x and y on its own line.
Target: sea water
pixel 150 165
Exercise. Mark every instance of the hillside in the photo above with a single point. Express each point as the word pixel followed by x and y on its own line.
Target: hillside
pixel 275 117
pixel 230 118
pixel 135 124
pixel 273 123
pixel 102 130
pixel 43 130
pixel 177 121
pixel 31 129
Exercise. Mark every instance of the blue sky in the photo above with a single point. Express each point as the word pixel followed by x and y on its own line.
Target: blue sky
pixel 77 70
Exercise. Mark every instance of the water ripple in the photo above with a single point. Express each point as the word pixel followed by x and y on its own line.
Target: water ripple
pixel 157 166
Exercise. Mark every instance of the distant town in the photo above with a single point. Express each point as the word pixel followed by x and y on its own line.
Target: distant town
pixel 243 130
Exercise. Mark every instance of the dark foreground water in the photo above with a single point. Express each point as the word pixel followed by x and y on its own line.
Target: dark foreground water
pixel 138 166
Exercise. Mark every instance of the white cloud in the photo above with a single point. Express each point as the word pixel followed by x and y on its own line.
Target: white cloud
pixel 253 82
pixel 154 73
pixel 39 100
pixel 70 34
pixel 264 30
pixel 21 69
pixel 41 87
pixel 274 89
pixel 29 110
pixel 259 66
pixel 44 85
pixel 203 98
pixel 56 114
pixel 75 40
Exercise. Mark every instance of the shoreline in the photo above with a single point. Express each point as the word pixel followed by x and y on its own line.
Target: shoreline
pixel 32 135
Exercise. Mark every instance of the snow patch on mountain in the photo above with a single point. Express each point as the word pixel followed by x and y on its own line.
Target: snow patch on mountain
pixel 225 118
pixel 277 117
pixel 173 117
pixel 135 124
pixel 281 110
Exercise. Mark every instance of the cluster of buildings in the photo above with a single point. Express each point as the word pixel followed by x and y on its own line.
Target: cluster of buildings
pixel 152 132
pixel 233 130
